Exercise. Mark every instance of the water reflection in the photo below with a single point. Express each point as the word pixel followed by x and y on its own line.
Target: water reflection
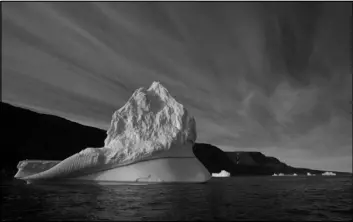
pixel 220 199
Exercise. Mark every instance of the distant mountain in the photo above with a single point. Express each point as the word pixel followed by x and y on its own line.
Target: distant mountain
pixel 30 135
pixel 245 163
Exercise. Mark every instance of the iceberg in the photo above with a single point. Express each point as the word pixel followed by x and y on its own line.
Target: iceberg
pixel 309 174
pixel 328 174
pixel 150 139
pixel 274 175
pixel 223 173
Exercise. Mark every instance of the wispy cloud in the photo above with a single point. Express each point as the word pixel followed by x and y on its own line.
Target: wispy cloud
pixel 272 77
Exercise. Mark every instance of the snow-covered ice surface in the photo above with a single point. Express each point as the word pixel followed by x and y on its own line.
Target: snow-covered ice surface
pixel 223 173
pixel 151 125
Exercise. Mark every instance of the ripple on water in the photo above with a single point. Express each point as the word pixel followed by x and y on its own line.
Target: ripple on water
pixel 242 198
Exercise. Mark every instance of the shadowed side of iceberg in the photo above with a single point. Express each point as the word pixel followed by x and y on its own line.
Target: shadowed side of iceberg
pixel 164 169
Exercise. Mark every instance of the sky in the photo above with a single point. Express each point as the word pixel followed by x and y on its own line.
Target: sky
pixel 270 77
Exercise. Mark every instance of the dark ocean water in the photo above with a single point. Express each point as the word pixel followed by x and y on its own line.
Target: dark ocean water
pixel 236 198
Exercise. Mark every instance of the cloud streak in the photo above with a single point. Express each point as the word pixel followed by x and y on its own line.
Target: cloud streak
pixel 273 77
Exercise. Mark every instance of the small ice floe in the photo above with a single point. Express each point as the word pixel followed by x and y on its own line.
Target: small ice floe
pixel 282 174
pixel 223 173
pixel 328 174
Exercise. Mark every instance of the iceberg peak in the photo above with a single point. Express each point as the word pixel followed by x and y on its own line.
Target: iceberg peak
pixel 158 89
pixel 157 86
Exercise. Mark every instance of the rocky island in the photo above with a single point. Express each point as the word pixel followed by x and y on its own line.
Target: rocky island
pixel 247 163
